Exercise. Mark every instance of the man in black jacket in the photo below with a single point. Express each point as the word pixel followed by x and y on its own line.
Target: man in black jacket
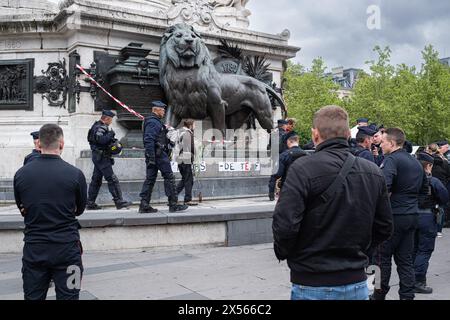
pixel 325 234
pixel 50 194
pixel 405 179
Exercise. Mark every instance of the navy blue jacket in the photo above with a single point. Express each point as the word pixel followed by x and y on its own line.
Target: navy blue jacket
pixel 286 159
pixel 364 153
pixel 51 193
pixel 33 155
pixel 155 136
pixel 436 194
pixel 100 137
pixel 405 180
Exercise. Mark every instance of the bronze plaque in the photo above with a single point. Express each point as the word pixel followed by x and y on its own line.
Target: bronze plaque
pixel 16 84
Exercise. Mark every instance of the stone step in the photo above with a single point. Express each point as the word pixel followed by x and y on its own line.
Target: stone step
pixel 229 223
pixel 210 188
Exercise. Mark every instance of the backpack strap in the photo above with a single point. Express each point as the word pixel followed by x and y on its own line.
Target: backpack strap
pixel 340 179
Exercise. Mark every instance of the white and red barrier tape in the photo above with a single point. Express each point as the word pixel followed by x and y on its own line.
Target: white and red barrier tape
pixel 123 105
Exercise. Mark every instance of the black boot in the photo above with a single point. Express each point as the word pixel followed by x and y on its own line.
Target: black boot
pixel 178 208
pixel 123 204
pixel 377 296
pixel 146 208
pixel 175 207
pixel 93 206
pixel 421 288
pixel 116 192
pixel 272 196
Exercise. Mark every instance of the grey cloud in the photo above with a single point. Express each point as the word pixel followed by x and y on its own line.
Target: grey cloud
pixel 337 30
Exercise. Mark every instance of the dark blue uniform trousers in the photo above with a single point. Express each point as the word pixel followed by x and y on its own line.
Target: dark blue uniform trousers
pixel 163 165
pixel 401 247
pixel 425 243
pixel 102 168
pixel 43 262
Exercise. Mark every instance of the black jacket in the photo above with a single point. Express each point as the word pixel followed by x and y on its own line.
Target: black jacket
pixel 405 180
pixel 326 244
pixel 52 193
pixel 286 159
pixel 435 194
pixel 100 137
pixel 441 169
pixel 33 155
pixel 155 137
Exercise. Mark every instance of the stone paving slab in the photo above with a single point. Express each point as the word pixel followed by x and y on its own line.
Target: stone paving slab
pixel 190 273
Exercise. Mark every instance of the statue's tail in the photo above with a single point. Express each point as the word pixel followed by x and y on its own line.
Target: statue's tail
pixel 275 97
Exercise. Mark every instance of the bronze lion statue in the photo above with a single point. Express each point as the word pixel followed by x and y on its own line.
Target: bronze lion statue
pixel 196 90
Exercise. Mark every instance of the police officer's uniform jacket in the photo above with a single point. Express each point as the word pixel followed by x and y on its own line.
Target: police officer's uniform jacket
pixel 286 159
pixel 405 179
pixel 435 194
pixel 364 153
pixel 32 156
pixel 156 142
pixel 100 138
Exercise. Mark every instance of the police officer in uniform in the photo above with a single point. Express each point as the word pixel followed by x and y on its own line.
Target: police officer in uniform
pixel 434 195
pixel 36 151
pixel 364 140
pixel 157 149
pixel 288 157
pixel 101 138
pixel 50 194
pixel 281 131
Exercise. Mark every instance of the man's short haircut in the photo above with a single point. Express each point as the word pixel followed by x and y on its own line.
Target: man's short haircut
pixel 294 139
pixel 396 135
pixel 332 122
pixel 49 136
pixel 361 137
pixel 188 123
pixel 291 121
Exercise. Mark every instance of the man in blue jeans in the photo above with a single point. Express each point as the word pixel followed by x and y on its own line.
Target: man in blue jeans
pixel 333 211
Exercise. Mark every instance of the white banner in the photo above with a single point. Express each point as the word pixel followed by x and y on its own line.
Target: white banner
pixel 239 166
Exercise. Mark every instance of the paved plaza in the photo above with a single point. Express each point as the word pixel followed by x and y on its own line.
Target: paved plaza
pixel 198 273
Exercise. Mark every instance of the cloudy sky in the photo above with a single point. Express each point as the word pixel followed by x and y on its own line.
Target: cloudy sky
pixel 337 29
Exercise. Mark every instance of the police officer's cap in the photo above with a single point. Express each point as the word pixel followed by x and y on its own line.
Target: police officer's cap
pixel 423 156
pixel 362 120
pixel 442 143
pixel 108 113
pixel 374 126
pixel 368 131
pixel 282 122
pixel 35 135
pixel 158 104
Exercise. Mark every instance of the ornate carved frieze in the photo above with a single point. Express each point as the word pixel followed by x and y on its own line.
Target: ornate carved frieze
pixel 16 83
pixel 210 14
pixel 54 84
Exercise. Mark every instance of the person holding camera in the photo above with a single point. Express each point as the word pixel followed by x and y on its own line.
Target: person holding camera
pixel 103 145
pixel 157 149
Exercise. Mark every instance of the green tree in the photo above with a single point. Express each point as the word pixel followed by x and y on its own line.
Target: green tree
pixel 399 96
pixel 306 92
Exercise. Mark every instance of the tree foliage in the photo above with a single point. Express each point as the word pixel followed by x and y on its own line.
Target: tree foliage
pixel 396 96
pixel 306 92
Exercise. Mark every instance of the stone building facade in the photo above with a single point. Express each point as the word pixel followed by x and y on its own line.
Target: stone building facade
pixel 38 40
